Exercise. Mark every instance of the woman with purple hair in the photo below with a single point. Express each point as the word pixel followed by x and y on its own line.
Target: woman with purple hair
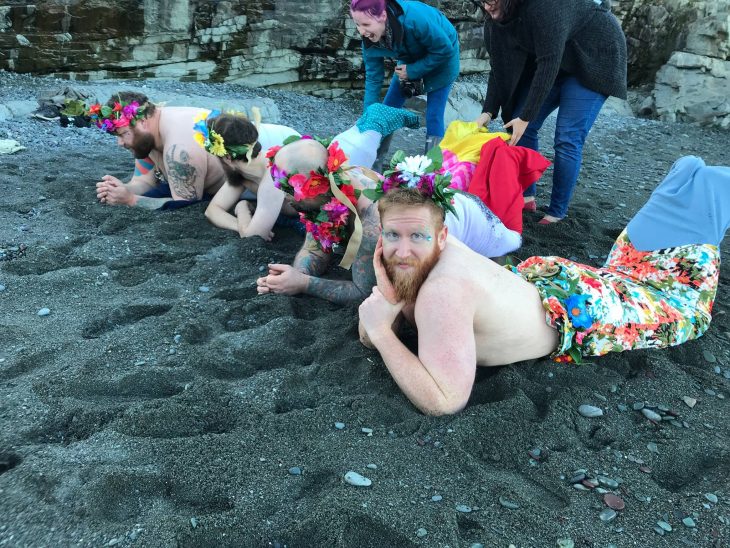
pixel 425 46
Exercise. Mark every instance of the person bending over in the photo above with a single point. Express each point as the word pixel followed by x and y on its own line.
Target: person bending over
pixel 336 205
pixel 568 55
pixel 655 290
pixel 170 169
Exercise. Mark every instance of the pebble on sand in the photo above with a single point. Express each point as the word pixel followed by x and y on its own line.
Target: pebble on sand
pixel 204 289
pixel 44 312
pixel 651 415
pixel 463 508
pixel 506 503
pixel 711 497
pixel 2 288
pixel 590 411
pixel 691 402
pixel 689 522
pixel 664 526
pixel 420 533
pixel 613 501
pixel 357 480
pixel 295 471
pixel 340 425
pixel 607 514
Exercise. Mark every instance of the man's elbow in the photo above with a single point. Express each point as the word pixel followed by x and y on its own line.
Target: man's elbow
pixel 444 407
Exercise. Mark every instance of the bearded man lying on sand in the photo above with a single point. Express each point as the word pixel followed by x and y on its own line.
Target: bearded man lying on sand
pixel 162 142
pixel 655 290
pixel 335 203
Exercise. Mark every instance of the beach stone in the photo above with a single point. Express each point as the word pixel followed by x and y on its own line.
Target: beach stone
pixel 709 356
pixel 710 392
pixel 717 369
pixel 659 531
pixel 372 466
pixel 2 288
pixel 204 289
pixel 711 497
pixel 436 498
pixel 463 508
pixel 477 545
pixel 607 514
pixel 613 501
pixel 637 406
pixel 295 471
pixel 621 407
pixel 357 480
pixel 645 469
pixel 651 446
pixel 578 478
pixel 651 415
pixel 590 411
pixel 510 505
pixel 194 523
pixel 664 526
pixel 566 543
pixel 43 312
pixel 340 425
pixel 689 522
pixel 420 533
pixel 580 487
pixel 368 431
pixel 608 482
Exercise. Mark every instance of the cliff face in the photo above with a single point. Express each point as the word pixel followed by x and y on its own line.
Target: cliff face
pixel 313 45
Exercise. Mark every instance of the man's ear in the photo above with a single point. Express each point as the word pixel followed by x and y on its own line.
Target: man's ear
pixel 441 237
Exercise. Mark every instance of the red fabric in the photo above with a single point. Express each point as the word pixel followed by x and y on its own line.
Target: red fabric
pixel 502 174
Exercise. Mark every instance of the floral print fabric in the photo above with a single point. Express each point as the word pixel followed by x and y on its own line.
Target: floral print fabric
pixel 638 299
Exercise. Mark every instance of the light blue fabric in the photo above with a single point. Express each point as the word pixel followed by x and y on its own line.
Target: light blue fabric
pixel 429 47
pixel 690 206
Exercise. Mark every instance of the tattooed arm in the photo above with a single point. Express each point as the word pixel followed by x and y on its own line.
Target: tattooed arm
pixel 363 275
pixel 185 172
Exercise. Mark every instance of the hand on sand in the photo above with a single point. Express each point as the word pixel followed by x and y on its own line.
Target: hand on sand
pixel 243 217
pixel 112 191
pixel 377 315
pixel 384 285
pixel 283 279
pixel 518 126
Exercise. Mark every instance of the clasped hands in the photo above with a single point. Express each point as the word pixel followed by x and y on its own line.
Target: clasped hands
pixel 112 191
pixel 518 126
pixel 282 279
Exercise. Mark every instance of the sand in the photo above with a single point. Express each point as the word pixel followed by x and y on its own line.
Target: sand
pixel 161 402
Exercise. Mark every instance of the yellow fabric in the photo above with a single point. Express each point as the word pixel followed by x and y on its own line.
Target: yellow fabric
pixel 465 140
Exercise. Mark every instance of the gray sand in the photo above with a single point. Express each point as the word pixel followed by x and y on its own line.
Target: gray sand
pixel 143 411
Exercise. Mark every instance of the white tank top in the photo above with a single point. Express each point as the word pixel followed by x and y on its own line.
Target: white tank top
pixel 480 229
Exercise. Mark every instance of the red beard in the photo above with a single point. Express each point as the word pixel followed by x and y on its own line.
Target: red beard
pixel 408 283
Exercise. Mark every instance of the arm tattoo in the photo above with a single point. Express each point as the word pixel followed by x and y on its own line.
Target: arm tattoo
pixel 310 259
pixel 336 291
pixel 181 174
pixel 363 274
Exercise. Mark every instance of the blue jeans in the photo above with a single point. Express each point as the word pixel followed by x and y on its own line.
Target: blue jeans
pixel 578 108
pixel 435 105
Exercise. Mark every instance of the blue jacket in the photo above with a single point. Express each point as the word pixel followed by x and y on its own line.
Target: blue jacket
pixel 423 39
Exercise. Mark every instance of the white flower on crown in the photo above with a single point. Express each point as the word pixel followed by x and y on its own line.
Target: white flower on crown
pixel 412 168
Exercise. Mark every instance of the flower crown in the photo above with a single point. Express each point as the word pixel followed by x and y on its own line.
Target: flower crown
pixel 213 142
pixel 424 173
pixel 328 225
pixel 122 114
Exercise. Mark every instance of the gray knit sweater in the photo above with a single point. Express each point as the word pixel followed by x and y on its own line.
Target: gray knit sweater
pixel 545 37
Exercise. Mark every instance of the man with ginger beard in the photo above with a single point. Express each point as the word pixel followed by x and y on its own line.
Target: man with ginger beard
pixel 170 169
pixel 655 290
pixel 473 223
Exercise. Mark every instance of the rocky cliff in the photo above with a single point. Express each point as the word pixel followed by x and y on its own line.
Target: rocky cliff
pixel 312 45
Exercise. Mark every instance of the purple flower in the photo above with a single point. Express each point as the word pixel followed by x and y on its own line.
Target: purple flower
pixel 107 125
pixel 278 175
pixel 130 111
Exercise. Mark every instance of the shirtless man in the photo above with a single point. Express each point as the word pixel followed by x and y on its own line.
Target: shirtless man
pixel 473 223
pixel 161 140
pixel 655 290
